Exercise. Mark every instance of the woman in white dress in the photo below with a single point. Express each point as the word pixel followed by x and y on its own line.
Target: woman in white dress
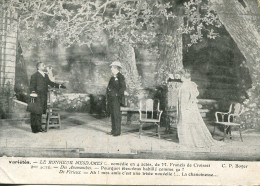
pixel 192 130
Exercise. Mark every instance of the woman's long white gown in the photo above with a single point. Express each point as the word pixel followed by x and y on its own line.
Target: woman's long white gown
pixel 192 130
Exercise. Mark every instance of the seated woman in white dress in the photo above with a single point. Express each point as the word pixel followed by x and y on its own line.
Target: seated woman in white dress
pixel 192 130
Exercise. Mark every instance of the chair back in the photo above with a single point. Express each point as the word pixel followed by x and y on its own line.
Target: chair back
pixel 149 108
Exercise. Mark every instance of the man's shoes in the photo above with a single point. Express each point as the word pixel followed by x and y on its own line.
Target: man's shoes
pixel 116 134
pixel 111 133
pixel 42 130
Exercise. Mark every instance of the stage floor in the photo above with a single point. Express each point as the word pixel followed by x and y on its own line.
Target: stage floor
pixel 83 135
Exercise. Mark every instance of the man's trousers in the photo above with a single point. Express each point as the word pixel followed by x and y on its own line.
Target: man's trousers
pixel 114 107
pixel 36 122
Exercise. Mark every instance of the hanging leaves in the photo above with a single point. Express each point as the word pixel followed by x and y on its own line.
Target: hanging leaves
pixel 199 20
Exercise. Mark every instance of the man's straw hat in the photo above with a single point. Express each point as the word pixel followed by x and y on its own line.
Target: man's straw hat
pixel 116 63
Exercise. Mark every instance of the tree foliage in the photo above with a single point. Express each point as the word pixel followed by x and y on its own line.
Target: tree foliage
pixel 135 23
pixel 200 21
pixel 81 21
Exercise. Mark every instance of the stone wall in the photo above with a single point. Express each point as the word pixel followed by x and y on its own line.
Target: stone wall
pixel 8 43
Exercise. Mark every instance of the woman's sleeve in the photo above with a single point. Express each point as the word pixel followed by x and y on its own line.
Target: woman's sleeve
pixel 185 99
pixel 196 92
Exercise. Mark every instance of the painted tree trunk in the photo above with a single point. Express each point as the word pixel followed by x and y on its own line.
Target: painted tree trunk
pixel 171 57
pixel 129 69
pixel 238 20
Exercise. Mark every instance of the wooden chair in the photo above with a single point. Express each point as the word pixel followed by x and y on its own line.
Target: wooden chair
pixel 235 110
pixel 53 119
pixel 150 113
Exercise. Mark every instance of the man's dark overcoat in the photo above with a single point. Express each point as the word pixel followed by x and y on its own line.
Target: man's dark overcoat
pixel 115 95
pixel 39 85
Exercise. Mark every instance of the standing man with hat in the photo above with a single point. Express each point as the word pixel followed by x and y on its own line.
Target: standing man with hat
pixel 115 94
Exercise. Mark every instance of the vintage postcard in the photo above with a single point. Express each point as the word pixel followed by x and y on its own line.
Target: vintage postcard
pixel 132 92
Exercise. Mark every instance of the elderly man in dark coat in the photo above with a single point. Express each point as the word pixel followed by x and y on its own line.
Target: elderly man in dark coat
pixel 39 85
pixel 115 93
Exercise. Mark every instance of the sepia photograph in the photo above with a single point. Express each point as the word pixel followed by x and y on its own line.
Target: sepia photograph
pixel 167 83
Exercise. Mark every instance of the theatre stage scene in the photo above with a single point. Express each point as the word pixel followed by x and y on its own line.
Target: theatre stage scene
pixel 138 79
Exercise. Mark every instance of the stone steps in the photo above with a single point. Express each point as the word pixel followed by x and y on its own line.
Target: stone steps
pixel 179 154
pixel 18 111
pixel 207 101
pixel 217 78
pixel 216 90
pixel 208 106
pixel 19 105
pixel 218 93
pixel 216 85
pixel 16 121
pixel 40 152
pixel 18 115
